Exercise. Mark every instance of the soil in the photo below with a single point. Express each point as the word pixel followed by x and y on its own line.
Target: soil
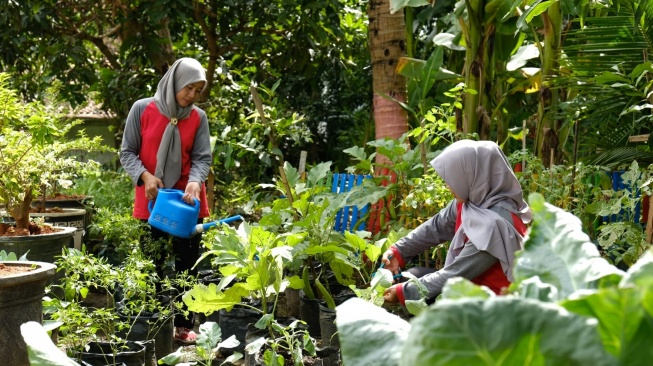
pixel 63 196
pixel 45 210
pixel 33 229
pixel 10 270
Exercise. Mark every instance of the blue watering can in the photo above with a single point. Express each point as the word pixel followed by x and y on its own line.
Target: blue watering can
pixel 169 213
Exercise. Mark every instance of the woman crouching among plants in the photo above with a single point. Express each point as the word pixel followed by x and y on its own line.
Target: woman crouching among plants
pixel 485 224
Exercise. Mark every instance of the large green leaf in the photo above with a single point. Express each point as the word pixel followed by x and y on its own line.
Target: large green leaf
pixel 502 331
pixel 458 288
pixel 206 299
pixel 369 335
pixel 40 349
pixel 559 252
pixel 625 313
pixel 626 328
pixel 641 275
pixel 396 5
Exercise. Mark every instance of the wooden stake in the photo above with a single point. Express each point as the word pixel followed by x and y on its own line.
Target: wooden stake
pixel 649 221
pixel 523 146
pixel 210 193
pixel 302 164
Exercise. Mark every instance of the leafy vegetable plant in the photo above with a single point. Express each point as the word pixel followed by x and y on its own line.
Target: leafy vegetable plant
pixel 209 342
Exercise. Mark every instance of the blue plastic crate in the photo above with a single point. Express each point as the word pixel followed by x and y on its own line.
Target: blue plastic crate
pixel 347 216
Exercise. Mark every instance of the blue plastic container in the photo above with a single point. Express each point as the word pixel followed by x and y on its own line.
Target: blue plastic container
pixel 172 215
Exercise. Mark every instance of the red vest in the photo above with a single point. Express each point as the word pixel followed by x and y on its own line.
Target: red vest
pixel 153 124
pixel 494 278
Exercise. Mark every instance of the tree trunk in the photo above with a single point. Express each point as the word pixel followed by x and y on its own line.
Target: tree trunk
pixel 20 212
pixel 387 40
pixel 474 73
pixel 548 104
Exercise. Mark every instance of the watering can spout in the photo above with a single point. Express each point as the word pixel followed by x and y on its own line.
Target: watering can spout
pixel 200 228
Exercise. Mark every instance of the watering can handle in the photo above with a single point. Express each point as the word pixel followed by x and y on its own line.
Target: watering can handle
pixel 200 228
pixel 180 194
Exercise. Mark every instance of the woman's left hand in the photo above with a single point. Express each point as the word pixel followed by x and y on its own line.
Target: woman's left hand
pixel 192 193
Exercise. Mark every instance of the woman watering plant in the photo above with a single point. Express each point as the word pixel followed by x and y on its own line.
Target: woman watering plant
pixel 166 145
pixel 485 224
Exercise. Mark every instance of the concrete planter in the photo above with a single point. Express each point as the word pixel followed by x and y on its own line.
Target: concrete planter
pixel 68 217
pixel 21 301
pixel 42 248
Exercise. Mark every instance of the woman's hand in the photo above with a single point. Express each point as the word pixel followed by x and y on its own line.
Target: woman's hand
pixel 390 262
pixel 151 185
pixel 191 193
pixel 390 294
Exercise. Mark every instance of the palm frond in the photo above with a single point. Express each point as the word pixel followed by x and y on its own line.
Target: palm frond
pixel 621 156
pixel 644 20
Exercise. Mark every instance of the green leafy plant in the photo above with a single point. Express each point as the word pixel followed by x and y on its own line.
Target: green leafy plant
pixel 143 293
pixel 251 257
pixel 108 189
pixel 117 231
pixel 34 154
pixel 310 210
pixel 285 342
pixel 84 272
pixel 80 325
pixel 623 240
pixel 11 256
pixel 41 350
pixel 396 185
pixel 209 342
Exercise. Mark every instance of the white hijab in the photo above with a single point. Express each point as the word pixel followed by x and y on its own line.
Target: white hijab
pixel 479 173
pixel 183 72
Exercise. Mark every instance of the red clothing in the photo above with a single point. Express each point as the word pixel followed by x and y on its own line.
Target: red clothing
pixel 153 124
pixel 494 278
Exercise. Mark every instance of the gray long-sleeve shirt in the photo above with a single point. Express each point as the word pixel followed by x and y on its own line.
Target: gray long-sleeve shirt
pixel 131 145
pixel 469 264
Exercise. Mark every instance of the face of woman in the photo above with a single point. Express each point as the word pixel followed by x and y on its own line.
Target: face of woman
pixel 458 199
pixel 188 94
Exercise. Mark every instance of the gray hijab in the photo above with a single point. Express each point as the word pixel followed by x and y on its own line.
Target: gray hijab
pixel 479 173
pixel 168 158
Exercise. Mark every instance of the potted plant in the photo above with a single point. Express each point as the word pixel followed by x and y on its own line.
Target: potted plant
pixel 134 309
pixel 209 343
pixel 22 285
pixel 90 335
pixel 252 261
pixel 148 303
pixel 34 155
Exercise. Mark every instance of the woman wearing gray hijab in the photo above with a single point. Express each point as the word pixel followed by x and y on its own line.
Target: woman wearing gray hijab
pixel 166 145
pixel 485 224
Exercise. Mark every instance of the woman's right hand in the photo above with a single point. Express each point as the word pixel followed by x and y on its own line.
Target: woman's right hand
pixel 390 262
pixel 390 294
pixel 151 184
